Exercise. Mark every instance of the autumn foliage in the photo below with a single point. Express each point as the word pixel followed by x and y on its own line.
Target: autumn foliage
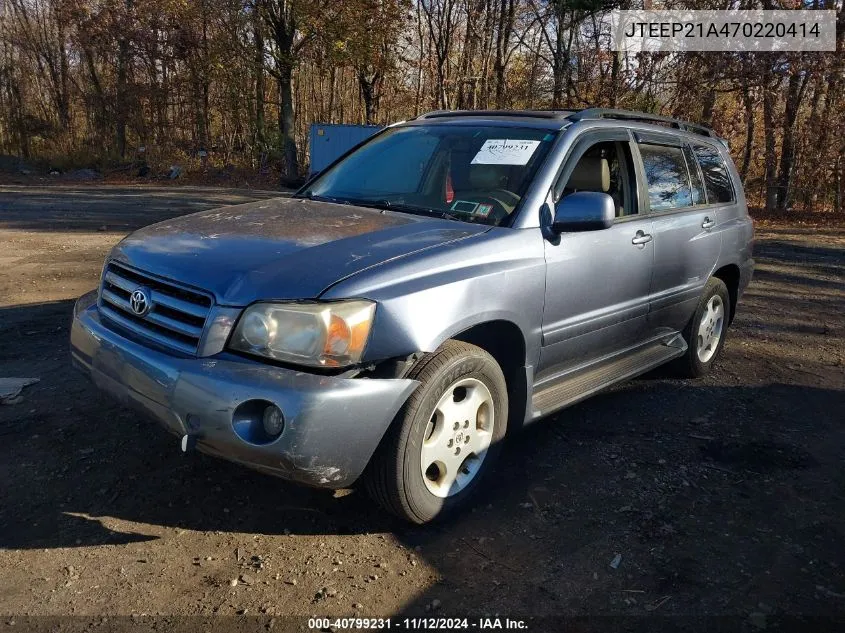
pixel 111 83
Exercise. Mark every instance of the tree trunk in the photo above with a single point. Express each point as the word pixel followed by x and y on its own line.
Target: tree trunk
pixel 63 99
pixel 330 106
pixel 369 82
pixel 204 86
pixel 614 78
pixel 797 82
pixel 419 84
pixel 466 80
pixel 287 122
pixel 122 100
pixel 708 104
pixel 101 113
pixel 770 181
pixel 559 62
pixel 487 52
pixel 503 37
pixel 568 69
pixel 809 195
pixel 258 65
pixel 281 18
pixel 748 102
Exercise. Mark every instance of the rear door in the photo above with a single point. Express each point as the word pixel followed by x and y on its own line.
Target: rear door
pixel 687 241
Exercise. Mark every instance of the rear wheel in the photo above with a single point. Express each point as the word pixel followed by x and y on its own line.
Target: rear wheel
pixel 446 437
pixel 705 333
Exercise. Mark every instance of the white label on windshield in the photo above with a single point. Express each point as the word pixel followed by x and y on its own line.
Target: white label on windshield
pixel 498 151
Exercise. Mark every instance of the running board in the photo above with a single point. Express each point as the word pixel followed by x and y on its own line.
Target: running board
pixel 582 383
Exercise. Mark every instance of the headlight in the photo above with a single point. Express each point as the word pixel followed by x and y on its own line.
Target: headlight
pixel 317 334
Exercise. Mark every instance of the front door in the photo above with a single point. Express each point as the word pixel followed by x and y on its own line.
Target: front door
pixel 597 282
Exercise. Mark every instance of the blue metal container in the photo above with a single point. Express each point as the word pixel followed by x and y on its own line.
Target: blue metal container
pixel 329 141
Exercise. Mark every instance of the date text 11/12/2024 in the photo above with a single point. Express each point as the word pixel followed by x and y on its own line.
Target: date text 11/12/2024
pixel 420 624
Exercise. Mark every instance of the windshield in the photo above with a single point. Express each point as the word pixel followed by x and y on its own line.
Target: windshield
pixel 470 173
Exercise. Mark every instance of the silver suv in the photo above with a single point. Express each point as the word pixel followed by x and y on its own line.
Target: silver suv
pixel 449 281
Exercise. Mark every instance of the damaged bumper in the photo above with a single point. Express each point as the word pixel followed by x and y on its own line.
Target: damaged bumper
pixel 332 425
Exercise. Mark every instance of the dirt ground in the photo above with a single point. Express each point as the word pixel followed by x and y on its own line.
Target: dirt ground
pixel 725 497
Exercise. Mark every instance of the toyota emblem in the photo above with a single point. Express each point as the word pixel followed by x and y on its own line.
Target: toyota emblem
pixel 140 301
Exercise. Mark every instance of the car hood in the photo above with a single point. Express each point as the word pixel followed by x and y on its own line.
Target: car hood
pixel 284 248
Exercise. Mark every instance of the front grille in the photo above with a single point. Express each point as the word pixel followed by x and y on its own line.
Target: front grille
pixel 176 318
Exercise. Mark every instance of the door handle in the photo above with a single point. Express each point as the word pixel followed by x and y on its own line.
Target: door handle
pixel 641 238
pixel 707 224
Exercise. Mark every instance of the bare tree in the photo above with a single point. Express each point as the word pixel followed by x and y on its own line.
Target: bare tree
pixel 83 81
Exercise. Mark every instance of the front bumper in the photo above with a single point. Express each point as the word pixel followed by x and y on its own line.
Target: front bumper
pixel 332 425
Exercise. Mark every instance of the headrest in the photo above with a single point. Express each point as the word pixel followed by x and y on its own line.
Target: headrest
pixel 590 174
pixel 485 177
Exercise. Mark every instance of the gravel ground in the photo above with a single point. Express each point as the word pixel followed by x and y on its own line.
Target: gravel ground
pixel 718 497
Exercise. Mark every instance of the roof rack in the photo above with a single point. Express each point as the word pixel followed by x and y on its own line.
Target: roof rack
pixel 630 115
pixel 535 114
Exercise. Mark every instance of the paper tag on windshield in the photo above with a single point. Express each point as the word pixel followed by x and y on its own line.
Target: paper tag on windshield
pixel 497 151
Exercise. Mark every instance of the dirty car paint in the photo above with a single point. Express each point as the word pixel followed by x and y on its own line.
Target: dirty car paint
pixel 286 248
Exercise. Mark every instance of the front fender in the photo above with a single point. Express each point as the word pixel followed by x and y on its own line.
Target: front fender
pixel 428 298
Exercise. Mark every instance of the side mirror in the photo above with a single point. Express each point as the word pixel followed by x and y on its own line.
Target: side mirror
pixel 584 211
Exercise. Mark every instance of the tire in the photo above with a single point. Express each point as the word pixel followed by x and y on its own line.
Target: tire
pixel 438 428
pixel 711 316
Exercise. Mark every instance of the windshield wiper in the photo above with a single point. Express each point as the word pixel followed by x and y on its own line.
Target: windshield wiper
pixel 387 205
pixel 451 216
pixel 319 198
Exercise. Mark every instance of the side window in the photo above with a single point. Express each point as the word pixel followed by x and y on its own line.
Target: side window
pixel 716 178
pixel 666 176
pixel 698 196
pixel 605 167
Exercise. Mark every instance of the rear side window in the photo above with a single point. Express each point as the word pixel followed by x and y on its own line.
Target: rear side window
pixel 667 177
pixel 698 196
pixel 716 178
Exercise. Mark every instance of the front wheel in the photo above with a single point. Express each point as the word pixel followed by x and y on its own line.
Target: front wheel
pixel 705 333
pixel 446 437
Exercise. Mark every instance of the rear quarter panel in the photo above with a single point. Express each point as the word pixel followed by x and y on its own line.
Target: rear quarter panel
pixel 737 229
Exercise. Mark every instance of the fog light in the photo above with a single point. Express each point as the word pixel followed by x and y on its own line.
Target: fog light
pixel 273 420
